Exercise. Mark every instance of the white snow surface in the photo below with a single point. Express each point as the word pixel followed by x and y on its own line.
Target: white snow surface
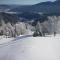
pixel 32 48
pixel 3 39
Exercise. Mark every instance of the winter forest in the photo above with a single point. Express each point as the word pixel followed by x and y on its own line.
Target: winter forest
pixel 48 27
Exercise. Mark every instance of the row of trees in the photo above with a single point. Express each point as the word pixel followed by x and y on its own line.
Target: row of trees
pixel 13 30
pixel 50 26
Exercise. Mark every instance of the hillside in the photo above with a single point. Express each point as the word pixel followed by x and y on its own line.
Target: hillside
pixel 8 17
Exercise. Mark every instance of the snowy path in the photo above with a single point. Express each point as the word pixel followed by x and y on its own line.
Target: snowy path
pixel 8 41
pixel 32 48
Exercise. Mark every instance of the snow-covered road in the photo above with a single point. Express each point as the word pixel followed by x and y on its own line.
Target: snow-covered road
pixel 32 48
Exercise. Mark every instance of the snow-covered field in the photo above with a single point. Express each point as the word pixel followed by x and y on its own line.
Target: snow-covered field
pixel 32 48
pixel 3 39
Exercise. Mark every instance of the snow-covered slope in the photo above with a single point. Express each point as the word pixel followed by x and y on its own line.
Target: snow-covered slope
pixel 32 48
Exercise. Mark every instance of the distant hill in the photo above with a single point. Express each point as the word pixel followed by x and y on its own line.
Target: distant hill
pixel 44 7
pixel 35 12
pixel 24 8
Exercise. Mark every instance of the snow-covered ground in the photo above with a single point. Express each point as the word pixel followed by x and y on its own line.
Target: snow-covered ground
pixel 3 39
pixel 32 48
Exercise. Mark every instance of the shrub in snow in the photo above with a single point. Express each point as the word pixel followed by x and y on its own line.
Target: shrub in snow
pixel 37 33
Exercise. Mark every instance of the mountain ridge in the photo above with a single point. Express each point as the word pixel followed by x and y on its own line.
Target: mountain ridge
pixel 43 7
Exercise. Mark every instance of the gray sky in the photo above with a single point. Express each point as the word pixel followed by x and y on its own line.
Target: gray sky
pixel 22 2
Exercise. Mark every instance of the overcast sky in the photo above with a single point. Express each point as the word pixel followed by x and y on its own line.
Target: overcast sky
pixel 22 2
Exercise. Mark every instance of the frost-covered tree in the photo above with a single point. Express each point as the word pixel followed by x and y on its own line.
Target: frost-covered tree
pixel 7 29
pixel 39 27
pixel 58 24
pixel 3 27
pixel 52 20
pixel 38 31
pixel 45 27
pixel 10 30
pixel 20 28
